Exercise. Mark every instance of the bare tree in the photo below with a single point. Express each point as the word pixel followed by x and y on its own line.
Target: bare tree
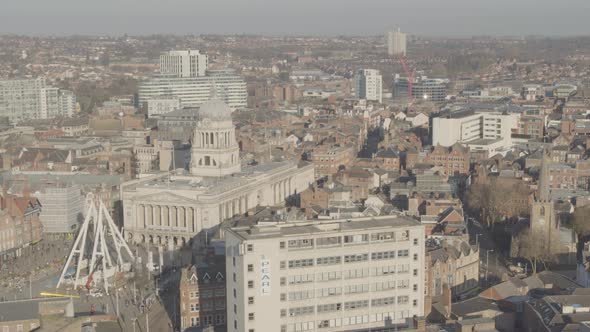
pixel 495 200
pixel 537 248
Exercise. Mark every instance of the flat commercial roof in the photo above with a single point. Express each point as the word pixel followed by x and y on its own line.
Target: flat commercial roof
pixel 295 229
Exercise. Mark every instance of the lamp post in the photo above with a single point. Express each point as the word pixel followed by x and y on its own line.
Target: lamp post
pixel 488 262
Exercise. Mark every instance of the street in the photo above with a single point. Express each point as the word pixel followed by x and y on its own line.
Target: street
pixel 491 259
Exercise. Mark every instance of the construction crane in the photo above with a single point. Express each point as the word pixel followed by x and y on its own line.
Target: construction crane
pixel 410 77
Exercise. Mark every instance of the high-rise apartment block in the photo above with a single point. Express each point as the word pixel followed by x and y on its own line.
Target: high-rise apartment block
pixel 30 99
pixel 336 275
pixel 396 42
pixel 369 85
pixel 188 63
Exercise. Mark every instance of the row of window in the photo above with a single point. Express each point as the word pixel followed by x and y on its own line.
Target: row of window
pixel 347 274
pixel 350 305
pixel 332 260
pixel 347 240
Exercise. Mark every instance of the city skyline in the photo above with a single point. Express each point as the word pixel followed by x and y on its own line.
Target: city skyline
pixel 426 17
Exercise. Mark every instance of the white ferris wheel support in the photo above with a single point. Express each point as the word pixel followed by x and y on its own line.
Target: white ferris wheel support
pixel 105 233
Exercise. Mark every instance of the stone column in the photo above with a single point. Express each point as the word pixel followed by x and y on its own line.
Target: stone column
pixel 194 220
pixel 156 215
pixel 165 215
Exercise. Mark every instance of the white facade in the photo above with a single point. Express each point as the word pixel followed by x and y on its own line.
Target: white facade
pixel 215 151
pixel 30 99
pixel 466 127
pixel 193 91
pixel 173 209
pixel 369 85
pixel 336 275
pixel 158 106
pixel 396 42
pixel 188 63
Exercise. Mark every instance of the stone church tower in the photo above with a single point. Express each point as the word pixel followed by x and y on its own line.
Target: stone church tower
pixel 543 217
pixel 215 151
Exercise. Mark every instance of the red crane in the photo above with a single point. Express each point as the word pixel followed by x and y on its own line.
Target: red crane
pixel 402 60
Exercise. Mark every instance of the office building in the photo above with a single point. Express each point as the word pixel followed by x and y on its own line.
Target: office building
pixel 188 63
pixel 481 130
pixel 337 275
pixel 31 99
pixel 369 85
pixel 432 89
pixel 63 206
pixel 193 91
pixel 174 209
pixel 396 42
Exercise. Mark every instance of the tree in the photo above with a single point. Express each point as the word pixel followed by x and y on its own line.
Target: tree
pixel 581 221
pixel 536 248
pixel 495 200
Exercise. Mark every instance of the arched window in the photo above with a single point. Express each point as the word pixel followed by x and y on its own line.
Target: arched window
pixel 211 139
pixel 207 161
pixel 542 211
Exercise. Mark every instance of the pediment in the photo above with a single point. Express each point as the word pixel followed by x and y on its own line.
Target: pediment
pixel 165 198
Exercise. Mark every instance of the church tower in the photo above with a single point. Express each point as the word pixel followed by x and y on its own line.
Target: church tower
pixel 215 152
pixel 543 218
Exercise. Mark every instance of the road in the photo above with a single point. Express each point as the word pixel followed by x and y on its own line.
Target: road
pixel 488 252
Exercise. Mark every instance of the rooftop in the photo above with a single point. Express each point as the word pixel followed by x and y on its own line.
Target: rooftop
pixel 278 230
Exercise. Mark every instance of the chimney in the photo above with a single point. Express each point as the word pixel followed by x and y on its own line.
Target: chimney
pixel 447 299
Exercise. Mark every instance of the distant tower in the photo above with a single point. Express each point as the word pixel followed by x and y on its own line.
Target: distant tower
pixel 396 42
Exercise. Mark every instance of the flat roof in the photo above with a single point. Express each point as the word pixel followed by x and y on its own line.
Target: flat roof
pixel 298 228
pixel 214 185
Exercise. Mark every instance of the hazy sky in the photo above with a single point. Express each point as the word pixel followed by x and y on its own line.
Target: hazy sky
pixel 326 17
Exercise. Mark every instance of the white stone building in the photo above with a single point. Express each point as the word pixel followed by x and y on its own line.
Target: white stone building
pixel 173 208
pixel 337 275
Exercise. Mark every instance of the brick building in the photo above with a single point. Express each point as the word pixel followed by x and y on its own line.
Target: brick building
pixel 202 294
pixel 454 159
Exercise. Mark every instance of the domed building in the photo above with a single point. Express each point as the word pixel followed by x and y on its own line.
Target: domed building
pixel 215 151
pixel 176 208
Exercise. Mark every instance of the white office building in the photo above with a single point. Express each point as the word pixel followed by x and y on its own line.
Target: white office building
pixel 194 91
pixel 396 42
pixel 482 130
pixel 337 275
pixel 188 63
pixel 368 85
pixel 31 99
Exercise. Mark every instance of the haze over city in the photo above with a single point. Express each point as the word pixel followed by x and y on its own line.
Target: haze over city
pixel 304 17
